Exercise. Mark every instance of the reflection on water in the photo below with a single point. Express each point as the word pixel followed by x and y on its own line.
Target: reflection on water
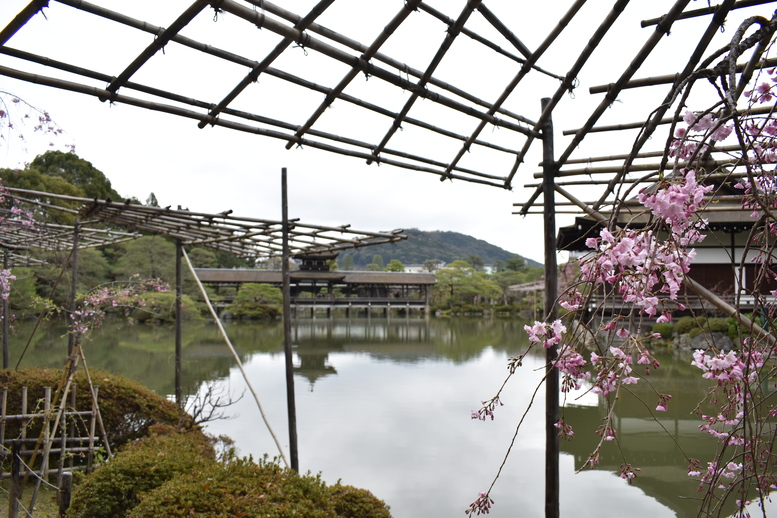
pixel 384 404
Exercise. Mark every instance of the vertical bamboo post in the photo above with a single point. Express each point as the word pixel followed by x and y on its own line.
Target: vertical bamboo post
pixel 73 285
pixel 72 431
pixel 6 320
pixel 63 496
pixel 178 319
pixel 92 426
pixel 24 412
pixel 15 490
pixel 549 169
pixel 292 408
pixel 3 413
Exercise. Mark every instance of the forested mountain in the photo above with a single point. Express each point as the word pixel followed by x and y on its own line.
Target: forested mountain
pixel 422 245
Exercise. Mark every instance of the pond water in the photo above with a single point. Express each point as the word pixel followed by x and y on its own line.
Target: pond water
pixel 385 404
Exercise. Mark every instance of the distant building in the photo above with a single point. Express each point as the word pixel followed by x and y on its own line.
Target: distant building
pixel 314 286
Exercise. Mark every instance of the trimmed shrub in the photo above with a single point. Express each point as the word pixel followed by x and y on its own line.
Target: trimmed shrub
pixel 252 490
pixel 685 324
pixel 116 487
pixel 127 408
pixel 665 329
pixel 719 325
pixel 353 502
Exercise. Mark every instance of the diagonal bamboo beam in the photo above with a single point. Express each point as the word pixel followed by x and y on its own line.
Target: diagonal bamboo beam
pixel 159 42
pixel 547 107
pixel 715 24
pixel 299 31
pixel 450 37
pixel 388 30
pixel 383 58
pixel 662 29
pixel 569 82
pixel 24 16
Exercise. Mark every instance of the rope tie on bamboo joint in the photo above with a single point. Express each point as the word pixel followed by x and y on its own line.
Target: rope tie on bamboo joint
pixel 216 4
pixel 303 41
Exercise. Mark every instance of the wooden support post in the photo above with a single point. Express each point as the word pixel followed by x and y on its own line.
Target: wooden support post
pixel 178 326
pixel 15 490
pixel 292 408
pixel 63 496
pixel 6 320
pixel 73 285
pixel 549 169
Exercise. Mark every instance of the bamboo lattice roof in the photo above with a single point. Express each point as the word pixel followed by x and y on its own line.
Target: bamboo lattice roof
pixel 450 88
pixel 242 236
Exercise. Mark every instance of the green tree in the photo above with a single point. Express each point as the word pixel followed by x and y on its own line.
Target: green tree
pixel 348 262
pixel 460 283
pixel 475 261
pixel 151 201
pixel 93 269
pixel 255 300
pixel 498 266
pixel 76 171
pixel 34 180
pixel 431 265
pixel 202 257
pixel 395 265
pixel 516 264
pixel 150 257
pixel 377 264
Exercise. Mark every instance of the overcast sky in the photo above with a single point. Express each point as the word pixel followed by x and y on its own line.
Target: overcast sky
pixel 215 169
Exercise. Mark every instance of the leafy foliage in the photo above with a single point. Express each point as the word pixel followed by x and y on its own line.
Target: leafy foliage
pixel 174 474
pixel 128 409
pixel 115 488
pixel 257 301
pixel 76 171
pixel 256 489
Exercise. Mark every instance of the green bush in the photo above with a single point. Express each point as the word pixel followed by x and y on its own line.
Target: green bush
pixel 716 325
pixel 116 487
pixel 160 307
pixel 127 408
pixel 685 324
pixel 665 329
pixel 249 489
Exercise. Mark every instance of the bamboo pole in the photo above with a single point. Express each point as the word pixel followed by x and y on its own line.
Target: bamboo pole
pixel 715 24
pixel 432 167
pixel 299 28
pixel 393 63
pixel 569 81
pixel 178 323
pixel 551 292
pixel 388 30
pixel 287 345
pixel 707 10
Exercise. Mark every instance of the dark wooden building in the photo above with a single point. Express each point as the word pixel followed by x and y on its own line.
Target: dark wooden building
pixel 314 287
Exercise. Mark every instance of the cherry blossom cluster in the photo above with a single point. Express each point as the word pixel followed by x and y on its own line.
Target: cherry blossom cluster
pixel 613 370
pixel 487 410
pixel 639 265
pixel 480 506
pixel 565 430
pixel 690 141
pixel 546 334
pixel 629 473
pixel 93 308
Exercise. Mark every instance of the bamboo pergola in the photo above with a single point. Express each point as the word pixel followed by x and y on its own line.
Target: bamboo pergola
pixel 472 85
pixel 242 236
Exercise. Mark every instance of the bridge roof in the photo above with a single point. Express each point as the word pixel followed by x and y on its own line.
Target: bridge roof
pixel 223 275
